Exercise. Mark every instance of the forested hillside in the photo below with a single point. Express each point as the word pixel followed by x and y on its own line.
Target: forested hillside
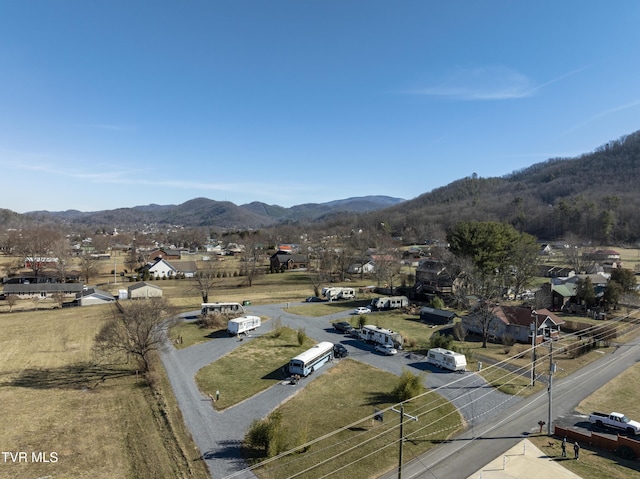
pixel 594 197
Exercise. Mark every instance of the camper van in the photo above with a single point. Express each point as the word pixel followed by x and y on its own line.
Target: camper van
pixel 389 302
pixel 338 293
pixel 376 335
pixel 443 358
pixel 243 324
pixel 221 308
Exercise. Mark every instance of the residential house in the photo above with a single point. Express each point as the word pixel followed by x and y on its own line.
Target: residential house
pixel 162 253
pixel 161 268
pixel 187 268
pixel 603 255
pixel 545 249
pixel 432 277
pixel 516 322
pixel 41 290
pixel 359 268
pixel 144 290
pixel 280 261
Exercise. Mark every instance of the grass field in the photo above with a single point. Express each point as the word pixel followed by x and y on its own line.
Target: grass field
pixel 338 401
pixel 101 422
pixel 256 365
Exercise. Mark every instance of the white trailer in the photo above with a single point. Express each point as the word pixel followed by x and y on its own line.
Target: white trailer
pixel 390 302
pixel 374 334
pixel 443 358
pixel 338 292
pixel 243 324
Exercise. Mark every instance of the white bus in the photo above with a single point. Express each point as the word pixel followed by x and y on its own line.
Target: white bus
pixel 312 359
pixel 223 308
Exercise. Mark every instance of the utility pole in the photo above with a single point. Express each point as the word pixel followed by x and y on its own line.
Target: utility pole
pixel 402 415
pixel 551 372
pixel 533 354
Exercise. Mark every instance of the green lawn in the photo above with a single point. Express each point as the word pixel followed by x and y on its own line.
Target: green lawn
pixel 343 400
pixel 256 365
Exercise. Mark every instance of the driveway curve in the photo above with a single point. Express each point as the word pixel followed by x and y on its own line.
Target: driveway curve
pixel 218 434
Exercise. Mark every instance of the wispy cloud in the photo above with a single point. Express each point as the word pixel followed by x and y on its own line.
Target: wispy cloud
pixel 487 83
pixel 70 171
pixel 602 114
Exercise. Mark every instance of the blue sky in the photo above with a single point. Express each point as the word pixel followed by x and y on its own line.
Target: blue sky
pixel 124 103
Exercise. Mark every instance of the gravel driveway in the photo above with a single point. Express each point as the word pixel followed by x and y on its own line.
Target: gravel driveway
pixel 218 434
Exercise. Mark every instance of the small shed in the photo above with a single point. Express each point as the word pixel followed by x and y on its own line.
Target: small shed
pixel 93 296
pixel 144 290
pixel 436 316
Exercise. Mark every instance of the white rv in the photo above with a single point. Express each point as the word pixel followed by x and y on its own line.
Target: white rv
pixel 374 334
pixel 389 302
pixel 243 324
pixel 443 358
pixel 338 292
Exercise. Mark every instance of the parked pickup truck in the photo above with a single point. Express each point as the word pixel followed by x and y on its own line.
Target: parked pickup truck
pixel 615 420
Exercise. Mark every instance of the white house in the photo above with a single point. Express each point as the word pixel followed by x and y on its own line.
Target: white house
pixel 161 268
pixel 358 268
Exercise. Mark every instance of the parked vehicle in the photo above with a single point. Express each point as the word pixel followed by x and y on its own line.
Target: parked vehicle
pixel 615 420
pixel 376 335
pixel 243 324
pixel 339 351
pixel 389 302
pixel 342 326
pixel 386 349
pixel 361 310
pixel 443 358
pixel 337 292
pixel 222 308
pixel 313 299
pixel 312 359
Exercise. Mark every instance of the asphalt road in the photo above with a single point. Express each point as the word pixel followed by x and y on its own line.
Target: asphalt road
pixel 496 421
pixel 468 452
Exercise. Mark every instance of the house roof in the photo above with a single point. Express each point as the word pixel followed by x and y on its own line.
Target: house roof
pixel 42 287
pixel 185 266
pixel 566 290
pixel 142 284
pixel 161 260
pixel 426 310
pixel 97 293
pixel 285 257
pixel 524 316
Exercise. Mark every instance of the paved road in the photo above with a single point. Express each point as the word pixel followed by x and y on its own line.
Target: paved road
pixel 493 438
pixel 218 434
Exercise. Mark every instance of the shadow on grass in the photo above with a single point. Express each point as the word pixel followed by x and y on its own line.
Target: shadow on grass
pixel 375 399
pixel 219 333
pixel 77 376
pixel 277 374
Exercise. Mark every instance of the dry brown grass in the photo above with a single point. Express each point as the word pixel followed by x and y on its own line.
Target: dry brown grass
pixel 100 421
pixel 619 394
pixel 593 464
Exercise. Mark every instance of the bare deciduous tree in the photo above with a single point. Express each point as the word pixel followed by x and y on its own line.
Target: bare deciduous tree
pixel 136 329
pixel 88 267
pixel 35 245
pixel 205 279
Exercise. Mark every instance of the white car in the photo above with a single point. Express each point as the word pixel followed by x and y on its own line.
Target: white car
pixel 386 349
pixel 362 310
